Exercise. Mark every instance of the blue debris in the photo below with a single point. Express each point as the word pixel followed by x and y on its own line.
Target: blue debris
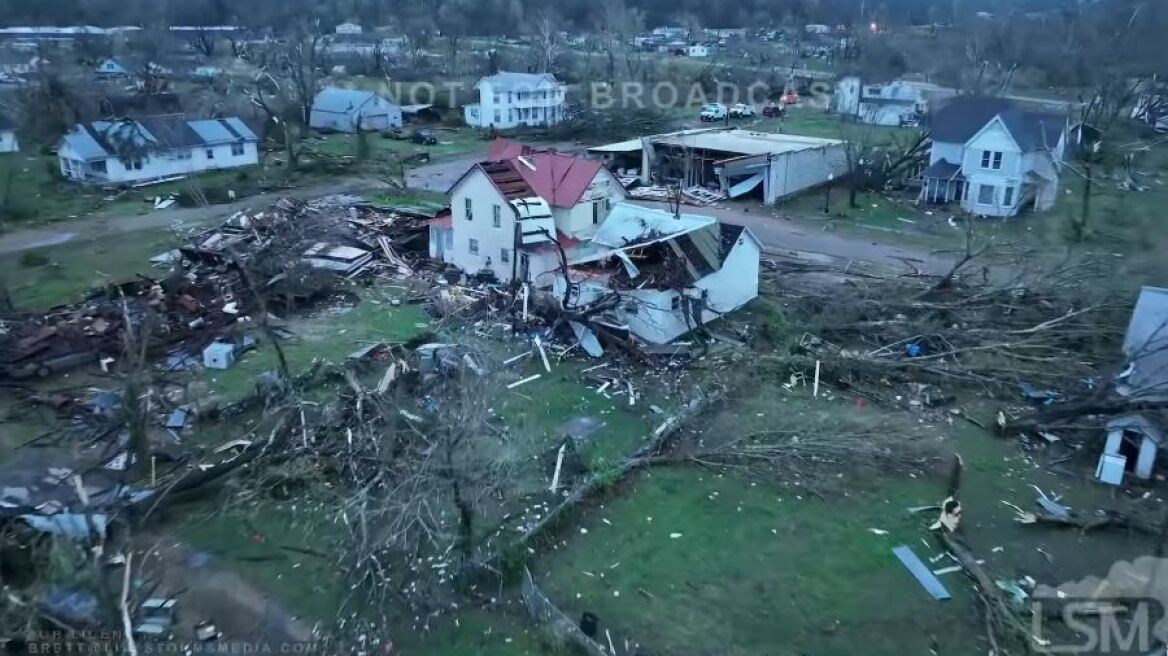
pixel 70 525
pixel 913 350
pixel 1032 393
pixel 72 605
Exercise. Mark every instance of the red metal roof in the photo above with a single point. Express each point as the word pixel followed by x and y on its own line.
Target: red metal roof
pixel 501 149
pixel 557 178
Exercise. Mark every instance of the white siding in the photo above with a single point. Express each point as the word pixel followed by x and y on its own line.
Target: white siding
pixel 160 165
pixel 577 221
pixel 8 143
pixel 484 198
pixel 993 138
pixel 515 108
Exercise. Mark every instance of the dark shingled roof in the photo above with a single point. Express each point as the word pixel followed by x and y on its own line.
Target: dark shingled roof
pixel 171 131
pixel 962 118
pixel 943 170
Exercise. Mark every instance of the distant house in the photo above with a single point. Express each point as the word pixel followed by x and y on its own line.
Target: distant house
pixel 994 158
pixel 350 110
pixel 697 50
pixel 816 28
pixel 554 197
pixel 111 68
pixel 155 148
pixel 510 100
pixel 349 28
pixel 206 73
pixel 895 103
pixel 8 142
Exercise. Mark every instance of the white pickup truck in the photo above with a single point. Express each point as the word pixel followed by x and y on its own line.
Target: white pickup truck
pixel 713 112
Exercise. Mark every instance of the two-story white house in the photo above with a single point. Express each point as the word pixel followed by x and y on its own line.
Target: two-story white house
pixel 536 202
pixel 511 100
pixel 994 158
pixel 153 148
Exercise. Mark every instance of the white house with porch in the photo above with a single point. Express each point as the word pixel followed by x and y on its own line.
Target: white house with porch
pixel 511 100
pixel 153 148
pixel 993 158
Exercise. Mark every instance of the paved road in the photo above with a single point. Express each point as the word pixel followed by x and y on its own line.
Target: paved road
pixel 99 225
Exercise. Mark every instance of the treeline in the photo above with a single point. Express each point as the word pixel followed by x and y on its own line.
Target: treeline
pixel 501 17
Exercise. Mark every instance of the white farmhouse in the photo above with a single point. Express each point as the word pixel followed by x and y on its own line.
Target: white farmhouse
pixel 154 148
pixel 8 142
pixel 697 50
pixel 895 103
pixel 510 100
pixel 993 158
pixel 349 28
pixel 525 199
pixel 349 110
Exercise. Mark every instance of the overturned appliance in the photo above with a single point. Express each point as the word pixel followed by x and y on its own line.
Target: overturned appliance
pixel 660 274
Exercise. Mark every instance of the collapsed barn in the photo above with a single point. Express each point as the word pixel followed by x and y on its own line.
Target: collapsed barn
pixel 718 163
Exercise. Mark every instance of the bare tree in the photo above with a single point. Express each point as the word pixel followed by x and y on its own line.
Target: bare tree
pixel 204 42
pixel 545 40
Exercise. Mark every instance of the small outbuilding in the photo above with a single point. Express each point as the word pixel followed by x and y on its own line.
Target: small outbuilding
pixel 350 110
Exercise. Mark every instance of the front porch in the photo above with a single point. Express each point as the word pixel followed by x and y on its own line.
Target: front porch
pixel 943 183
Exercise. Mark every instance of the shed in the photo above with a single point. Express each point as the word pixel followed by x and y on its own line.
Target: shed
pixel 349 110
pixel 1133 441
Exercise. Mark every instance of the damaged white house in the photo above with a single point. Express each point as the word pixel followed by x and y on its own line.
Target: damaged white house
pixel 562 225
pixel 658 275
pixel 1134 439
pixel 732 162
pixel 517 199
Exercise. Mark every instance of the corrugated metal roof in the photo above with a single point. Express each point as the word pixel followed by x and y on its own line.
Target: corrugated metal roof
pixel 557 178
pixel 629 224
pixel 630 146
pixel 224 130
pixel 743 142
pixel 505 81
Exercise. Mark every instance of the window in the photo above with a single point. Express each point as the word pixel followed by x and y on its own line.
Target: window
pixel 504 255
pixel 607 205
pixel 474 247
pixel 597 213
pixel 1008 199
pixel 469 210
pixel 985 195
pixel 675 303
pixel 236 149
pixel 136 164
pixel 496 99
pixel 991 159
pixel 210 153
pixel 496 216
pixel 498 116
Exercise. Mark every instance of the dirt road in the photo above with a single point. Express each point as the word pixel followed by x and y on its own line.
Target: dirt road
pixel 99 225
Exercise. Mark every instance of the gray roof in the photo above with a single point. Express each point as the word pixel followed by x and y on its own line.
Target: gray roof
pixel 942 170
pixel 223 130
pixel 102 139
pixel 964 117
pixel 504 81
pixel 341 101
pixel 1146 345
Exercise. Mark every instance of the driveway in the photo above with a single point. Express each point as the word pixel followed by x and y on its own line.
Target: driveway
pixel 99 225
pixel 781 235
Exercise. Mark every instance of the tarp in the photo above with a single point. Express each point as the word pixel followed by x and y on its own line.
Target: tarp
pixel 746 186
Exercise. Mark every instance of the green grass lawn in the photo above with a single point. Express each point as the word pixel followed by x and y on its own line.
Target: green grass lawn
pixel 44 277
pixel 450 143
pixel 709 561
pixel 330 334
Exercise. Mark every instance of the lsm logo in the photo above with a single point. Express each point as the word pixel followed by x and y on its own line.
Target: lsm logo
pixel 1123 613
